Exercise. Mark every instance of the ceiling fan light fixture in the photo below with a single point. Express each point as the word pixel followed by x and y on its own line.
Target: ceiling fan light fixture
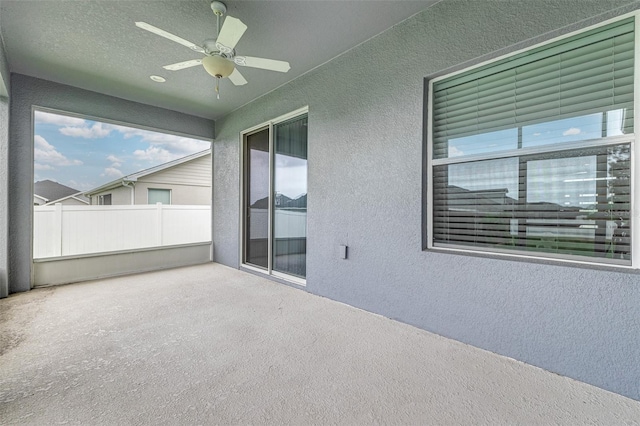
pixel 218 66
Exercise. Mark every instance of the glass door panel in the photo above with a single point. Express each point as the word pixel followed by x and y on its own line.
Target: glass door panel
pixel 257 199
pixel 289 247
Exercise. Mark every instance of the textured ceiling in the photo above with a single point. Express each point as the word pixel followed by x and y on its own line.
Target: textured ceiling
pixel 94 44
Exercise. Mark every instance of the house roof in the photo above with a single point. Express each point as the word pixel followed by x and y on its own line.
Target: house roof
pixel 133 177
pixel 78 196
pixel 50 190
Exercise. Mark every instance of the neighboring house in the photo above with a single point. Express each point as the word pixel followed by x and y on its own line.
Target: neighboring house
pixel 48 192
pixel 185 181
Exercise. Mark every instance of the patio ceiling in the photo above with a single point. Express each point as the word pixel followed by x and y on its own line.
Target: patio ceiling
pixel 95 45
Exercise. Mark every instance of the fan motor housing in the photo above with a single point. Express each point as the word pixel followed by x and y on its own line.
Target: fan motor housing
pixel 219 9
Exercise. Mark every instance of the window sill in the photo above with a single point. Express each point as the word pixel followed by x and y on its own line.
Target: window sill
pixel 535 260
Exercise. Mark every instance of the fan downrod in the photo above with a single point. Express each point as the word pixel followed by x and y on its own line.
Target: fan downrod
pixel 219 9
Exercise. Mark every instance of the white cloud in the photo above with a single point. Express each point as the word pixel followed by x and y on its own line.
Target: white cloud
pixel 46 154
pixel 115 161
pixel 97 131
pixel 39 166
pixel 112 172
pixel 60 120
pixel 455 152
pixel 572 131
pixel 156 154
pixel 537 134
pixel 80 185
pixel 175 145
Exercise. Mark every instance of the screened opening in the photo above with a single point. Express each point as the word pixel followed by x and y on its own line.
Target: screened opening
pixel 94 181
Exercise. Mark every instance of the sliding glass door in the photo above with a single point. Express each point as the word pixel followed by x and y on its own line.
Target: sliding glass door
pixel 257 199
pixel 275 197
pixel 290 201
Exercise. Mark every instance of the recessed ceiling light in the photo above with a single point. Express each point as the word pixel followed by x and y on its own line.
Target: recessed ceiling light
pixel 157 79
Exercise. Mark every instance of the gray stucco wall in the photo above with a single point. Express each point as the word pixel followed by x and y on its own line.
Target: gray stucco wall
pixel 27 92
pixel 4 142
pixel 4 161
pixel 4 70
pixel 365 190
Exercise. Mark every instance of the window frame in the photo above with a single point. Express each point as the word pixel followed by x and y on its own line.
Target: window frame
pixel 429 162
pixel 101 199
pixel 161 189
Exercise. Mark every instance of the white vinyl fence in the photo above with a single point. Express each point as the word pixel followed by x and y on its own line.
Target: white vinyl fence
pixel 65 230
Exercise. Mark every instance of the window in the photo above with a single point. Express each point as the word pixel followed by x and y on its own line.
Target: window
pixel 531 154
pixel 162 196
pixel 275 197
pixel 104 200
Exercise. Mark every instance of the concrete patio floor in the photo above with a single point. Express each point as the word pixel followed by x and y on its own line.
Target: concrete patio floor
pixel 212 345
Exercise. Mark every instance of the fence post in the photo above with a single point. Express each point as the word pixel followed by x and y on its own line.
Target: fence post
pixel 57 230
pixel 159 223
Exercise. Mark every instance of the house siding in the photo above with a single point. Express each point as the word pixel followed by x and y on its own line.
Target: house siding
pixel 189 182
pixel 180 194
pixel 27 92
pixel 119 196
pixel 196 172
pixel 365 180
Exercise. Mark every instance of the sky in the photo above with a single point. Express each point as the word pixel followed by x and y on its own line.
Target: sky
pixel 563 181
pixel 84 154
pixel 551 132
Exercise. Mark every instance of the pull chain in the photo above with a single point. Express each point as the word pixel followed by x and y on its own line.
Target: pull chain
pixel 218 87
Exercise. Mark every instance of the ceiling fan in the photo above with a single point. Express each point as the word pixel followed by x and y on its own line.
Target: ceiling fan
pixel 220 56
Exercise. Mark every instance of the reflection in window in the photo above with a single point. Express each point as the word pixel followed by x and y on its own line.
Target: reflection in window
pixel 481 144
pixel 592 126
pixel 514 165
pixel 257 199
pixel 585 127
pixel 486 176
pixel 570 203
pixel 290 201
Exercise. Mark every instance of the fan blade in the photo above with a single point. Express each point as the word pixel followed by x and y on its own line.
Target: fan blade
pixel 169 36
pixel 182 65
pixel 230 33
pixel 237 78
pixel 265 64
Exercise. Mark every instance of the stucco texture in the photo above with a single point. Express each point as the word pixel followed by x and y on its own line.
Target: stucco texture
pixel 4 161
pixel 365 191
pixel 4 154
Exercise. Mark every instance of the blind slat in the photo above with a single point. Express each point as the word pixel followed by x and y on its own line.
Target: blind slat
pixel 585 74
